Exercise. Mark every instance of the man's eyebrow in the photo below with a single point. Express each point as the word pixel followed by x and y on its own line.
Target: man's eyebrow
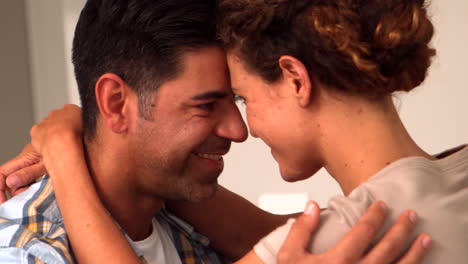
pixel 210 95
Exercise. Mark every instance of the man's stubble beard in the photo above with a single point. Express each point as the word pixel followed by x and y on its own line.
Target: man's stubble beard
pixel 167 180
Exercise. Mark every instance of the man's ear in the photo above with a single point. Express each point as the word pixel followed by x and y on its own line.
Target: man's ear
pixel 297 78
pixel 113 99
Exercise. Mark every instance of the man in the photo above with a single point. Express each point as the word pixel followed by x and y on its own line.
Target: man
pixel 158 116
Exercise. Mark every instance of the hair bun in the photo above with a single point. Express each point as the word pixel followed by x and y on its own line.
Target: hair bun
pixel 368 47
pixel 401 37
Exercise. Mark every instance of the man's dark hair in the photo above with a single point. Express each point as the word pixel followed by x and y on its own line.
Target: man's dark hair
pixel 141 41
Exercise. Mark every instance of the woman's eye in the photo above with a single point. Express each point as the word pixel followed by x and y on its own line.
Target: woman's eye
pixel 238 98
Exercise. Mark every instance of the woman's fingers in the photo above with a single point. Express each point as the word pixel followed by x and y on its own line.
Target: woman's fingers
pixel 294 249
pixel 352 248
pixel 26 158
pixel 303 228
pixel 354 244
pixel 19 190
pixel 26 176
pixel 27 161
pixel 418 250
pixel 392 244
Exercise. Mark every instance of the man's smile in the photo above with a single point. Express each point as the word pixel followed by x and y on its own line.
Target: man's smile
pixel 215 157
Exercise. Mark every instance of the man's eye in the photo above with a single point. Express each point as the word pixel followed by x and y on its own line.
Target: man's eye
pixel 238 98
pixel 207 106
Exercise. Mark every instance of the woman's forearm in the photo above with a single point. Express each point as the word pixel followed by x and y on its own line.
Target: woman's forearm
pixel 94 236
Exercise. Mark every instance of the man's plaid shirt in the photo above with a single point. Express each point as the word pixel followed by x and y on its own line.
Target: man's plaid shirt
pixel 32 231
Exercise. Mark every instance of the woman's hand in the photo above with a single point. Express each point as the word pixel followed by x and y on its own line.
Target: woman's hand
pixel 352 248
pixel 17 174
pixel 59 125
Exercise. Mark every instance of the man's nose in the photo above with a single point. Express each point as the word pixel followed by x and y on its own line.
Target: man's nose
pixel 231 125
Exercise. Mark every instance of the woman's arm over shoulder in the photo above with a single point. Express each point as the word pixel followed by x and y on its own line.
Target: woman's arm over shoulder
pixel 94 236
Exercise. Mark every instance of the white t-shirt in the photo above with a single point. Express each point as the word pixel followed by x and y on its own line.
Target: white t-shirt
pixel 436 190
pixel 158 247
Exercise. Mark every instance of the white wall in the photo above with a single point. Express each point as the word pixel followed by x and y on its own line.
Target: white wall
pixel 435 113
pixel 72 9
pixel 47 55
pixel 16 110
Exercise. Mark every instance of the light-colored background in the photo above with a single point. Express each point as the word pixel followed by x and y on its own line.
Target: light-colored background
pixel 36 76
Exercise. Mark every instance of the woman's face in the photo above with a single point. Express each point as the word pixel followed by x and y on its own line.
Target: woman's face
pixel 274 115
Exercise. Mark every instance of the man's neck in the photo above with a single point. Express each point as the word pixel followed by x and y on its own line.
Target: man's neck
pixel 118 191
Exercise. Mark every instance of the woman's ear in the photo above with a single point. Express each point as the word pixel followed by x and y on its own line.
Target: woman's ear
pixel 112 96
pixel 296 76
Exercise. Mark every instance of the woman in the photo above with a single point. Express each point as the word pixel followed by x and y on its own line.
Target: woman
pixel 318 78
pixel 326 70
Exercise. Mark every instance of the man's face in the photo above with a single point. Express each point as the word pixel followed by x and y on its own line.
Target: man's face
pixel 178 154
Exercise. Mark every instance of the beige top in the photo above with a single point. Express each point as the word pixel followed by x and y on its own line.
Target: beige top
pixel 436 190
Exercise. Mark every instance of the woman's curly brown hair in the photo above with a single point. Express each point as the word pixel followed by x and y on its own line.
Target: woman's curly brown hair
pixel 366 47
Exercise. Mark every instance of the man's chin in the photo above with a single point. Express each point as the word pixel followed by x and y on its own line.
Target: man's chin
pixel 203 193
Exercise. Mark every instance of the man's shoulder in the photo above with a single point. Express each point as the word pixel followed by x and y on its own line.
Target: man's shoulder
pixel 37 202
pixel 31 226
